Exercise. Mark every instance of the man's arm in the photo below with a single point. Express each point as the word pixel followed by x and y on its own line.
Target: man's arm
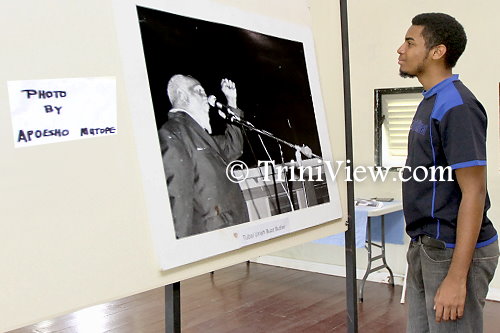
pixel 450 297
pixel 231 143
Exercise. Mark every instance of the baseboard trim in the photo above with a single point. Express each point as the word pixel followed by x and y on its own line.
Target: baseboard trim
pixel 493 295
pixel 329 269
pixel 336 270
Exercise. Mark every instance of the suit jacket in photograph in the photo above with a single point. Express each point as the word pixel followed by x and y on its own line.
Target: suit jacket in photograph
pixel 202 198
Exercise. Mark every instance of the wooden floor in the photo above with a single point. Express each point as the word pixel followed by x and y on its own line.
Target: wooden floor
pixel 257 298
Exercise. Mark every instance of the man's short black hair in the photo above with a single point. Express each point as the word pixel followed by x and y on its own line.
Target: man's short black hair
pixel 443 29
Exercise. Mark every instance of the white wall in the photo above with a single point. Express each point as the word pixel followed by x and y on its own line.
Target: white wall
pixel 73 218
pixel 376 30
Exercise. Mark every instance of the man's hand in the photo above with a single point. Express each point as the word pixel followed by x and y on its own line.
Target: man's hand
pixel 229 89
pixel 450 299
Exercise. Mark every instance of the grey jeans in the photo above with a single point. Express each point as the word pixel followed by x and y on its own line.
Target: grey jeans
pixel 427 267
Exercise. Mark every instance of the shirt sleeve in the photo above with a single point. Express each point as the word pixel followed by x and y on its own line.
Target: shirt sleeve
pixel 463 135
pixel 231 143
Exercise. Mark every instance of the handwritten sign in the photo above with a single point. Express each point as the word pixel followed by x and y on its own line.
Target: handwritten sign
pixel 263 231
pixel 57 110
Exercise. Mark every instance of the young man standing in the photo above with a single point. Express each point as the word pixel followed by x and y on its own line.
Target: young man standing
pixel 454 249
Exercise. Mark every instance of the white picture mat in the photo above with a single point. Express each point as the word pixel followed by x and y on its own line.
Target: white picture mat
pixel 174 252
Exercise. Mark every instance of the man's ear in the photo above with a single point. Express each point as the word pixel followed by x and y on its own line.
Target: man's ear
pixel 182 97
pixel 438 52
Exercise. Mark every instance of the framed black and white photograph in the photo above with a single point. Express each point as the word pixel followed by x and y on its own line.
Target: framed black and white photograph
pixel 229 123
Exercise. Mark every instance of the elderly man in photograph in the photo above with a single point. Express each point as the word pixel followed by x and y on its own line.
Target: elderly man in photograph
pixel 202 197
pixel 453 253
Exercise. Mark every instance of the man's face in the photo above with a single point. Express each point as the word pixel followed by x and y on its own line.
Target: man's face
pixel 197 98
pixel 413 54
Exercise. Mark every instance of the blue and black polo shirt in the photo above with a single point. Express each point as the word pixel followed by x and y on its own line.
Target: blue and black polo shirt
pixel 448 129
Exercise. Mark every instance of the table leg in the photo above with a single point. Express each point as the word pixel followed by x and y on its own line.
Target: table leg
pixel 372 258
pixel 368 246
pixel 382 237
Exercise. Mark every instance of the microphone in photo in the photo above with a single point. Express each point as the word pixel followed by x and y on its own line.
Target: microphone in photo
pixel 224 110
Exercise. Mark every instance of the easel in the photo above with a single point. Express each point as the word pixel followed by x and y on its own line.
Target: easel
pixel 350 235
pixel 172 291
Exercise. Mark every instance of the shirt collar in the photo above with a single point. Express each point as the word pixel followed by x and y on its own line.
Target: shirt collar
pixel 440 86
pixel 204 122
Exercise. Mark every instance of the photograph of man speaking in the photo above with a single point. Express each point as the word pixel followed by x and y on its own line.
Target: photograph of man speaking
pixel 201 138
pixel 202 197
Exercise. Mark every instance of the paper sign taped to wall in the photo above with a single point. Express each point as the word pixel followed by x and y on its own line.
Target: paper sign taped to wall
pixel 58 110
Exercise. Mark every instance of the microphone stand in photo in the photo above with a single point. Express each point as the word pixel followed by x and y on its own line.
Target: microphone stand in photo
pixel 228 113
